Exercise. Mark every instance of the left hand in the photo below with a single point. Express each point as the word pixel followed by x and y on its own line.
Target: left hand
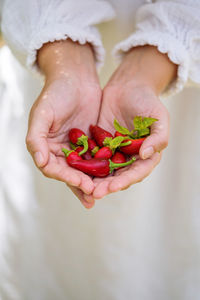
pixel 133 91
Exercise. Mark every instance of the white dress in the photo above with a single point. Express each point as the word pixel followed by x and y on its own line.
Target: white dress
pixel 142 243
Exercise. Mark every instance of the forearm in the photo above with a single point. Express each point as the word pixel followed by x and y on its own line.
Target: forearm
pixel 146 65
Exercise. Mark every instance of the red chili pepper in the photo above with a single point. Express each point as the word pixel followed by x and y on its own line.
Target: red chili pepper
pixel 92 146
pixel 104 152
pixel 118 158
pixel 71 155
pixel 99 134
pixel 77 136
pixel 87 155
pixel 133 147
pixel 98 167
pixel 117 133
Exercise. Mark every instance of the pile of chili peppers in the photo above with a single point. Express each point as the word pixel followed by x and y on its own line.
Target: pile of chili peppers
pixel 103 153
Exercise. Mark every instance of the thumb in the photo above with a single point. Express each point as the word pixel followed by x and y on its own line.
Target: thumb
pixel 158 139
pixel 36 139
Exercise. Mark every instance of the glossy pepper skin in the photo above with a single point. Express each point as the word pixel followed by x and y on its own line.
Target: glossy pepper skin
pixel 134 146
pixel 118 158
pixel 78 137
pixel 87 155
pixel 98 167
pixel 92 146
pixel 117 133
pixel 99 134
pixel 95 167
pixel 71 155
pixel 104 152
pixel 74 134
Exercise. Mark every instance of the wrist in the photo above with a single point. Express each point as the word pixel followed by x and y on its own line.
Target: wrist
pixel 64 59
pixel 146 66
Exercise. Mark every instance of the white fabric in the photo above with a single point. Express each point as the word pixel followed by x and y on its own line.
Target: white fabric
pixel 27 25
pixel 142 243
pixel 172 26
pixel 18 207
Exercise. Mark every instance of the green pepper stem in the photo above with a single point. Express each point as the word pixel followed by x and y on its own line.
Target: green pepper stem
pixel 107 141
pixel 94 150
pixel 72 146
pixel 113 165
pixel 67 152
pixel 114 143
pixel 125 144
pixel 83 140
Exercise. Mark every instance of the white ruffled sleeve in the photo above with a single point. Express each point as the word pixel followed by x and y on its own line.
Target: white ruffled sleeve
pixel 28 24
pixel 174 28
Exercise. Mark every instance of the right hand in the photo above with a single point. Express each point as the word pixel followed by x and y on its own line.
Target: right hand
pixel 70 98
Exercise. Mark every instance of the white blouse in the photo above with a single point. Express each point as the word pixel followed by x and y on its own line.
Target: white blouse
pixel 172 26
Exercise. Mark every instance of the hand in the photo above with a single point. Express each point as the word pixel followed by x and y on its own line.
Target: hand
pixel 70 98
pixel 133 91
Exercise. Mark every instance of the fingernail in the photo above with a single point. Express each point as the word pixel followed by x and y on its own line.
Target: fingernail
pixel 38 159
pixel 148 152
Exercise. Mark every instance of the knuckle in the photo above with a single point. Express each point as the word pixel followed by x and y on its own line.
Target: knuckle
pixel 165 143
pixel 30 142
pixel 29 139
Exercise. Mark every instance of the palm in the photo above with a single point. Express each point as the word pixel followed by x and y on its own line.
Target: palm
pixel 123 104
pixel 64 106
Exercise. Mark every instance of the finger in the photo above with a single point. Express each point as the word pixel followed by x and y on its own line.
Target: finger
pixel 102 188
pixel 58 169
pixel 80 195
pixel 135 173
pixel 88 198
pixel 159 137
pixel 36 139
pixel 86 184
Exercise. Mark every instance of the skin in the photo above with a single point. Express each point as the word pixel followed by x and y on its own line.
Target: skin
pixel 71 97
pixel 134 90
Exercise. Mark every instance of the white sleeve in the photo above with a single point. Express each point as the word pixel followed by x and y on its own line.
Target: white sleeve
pixel 174 28
pixel 28 24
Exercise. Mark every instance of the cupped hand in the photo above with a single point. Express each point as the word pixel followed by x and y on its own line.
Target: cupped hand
pixel 123 104
pixel 70 98
pixel 128 95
